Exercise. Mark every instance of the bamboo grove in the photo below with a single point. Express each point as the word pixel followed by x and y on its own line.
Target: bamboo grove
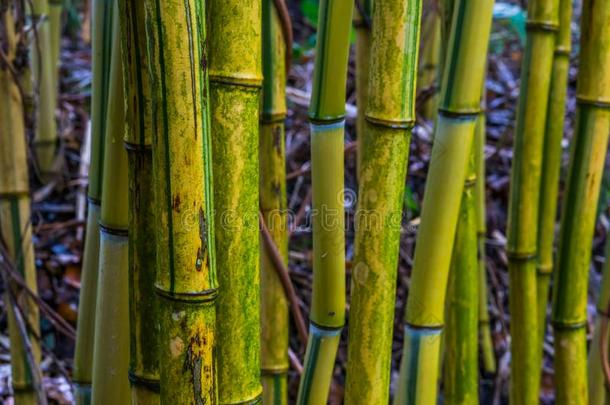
pixel 187 290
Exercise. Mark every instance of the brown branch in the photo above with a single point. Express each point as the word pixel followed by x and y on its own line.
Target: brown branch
pixel 603 342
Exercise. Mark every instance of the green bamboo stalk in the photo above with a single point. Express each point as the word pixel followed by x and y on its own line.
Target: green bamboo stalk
pixel 272 189
pixel 103 11
pixel 55 13
pixel 235 82
pixel 15 225
pixel 327 115
pixel 362 26
pixel 523 212
pixel 598 389
pixel 390 116
pixel 461 344
pixel 143 308
pixel 458 111
pixel 111 340
pixel 43 68
pixel 579 211
pixel 551 161
pixel 487 349
pixel 182 184
pixel 429 66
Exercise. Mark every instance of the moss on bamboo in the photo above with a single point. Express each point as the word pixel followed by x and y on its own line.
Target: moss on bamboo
pixel 102 43
pixel 384 147
pixel 111 342
pixel 182 183
pixel 144 314
pixel 235 81
pixel 274 305
pixel 579 211
pixel 459 106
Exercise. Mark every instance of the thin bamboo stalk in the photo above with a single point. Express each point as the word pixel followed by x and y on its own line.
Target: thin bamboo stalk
pixel 102 44
pixel 579 211
pixel 461 344
pixel 390 116
pixel 182 184
pixel 327 115
pixel 15 225
pixel 55 13
pixel 110 381
pixel 272 189
pixel 143 308
pixel 458 111
pixel 235 82
pixel 43 68
pixel 542 25
pixel 551 161
pixel 429 66
pixel 598 389
pixel 362 26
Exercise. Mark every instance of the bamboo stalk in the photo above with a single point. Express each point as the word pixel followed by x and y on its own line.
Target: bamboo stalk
pixel 598 389
pixel 551 161
pixel 182 184
pixel 111 341
pixel 143 308
pixel 458 112
pixel 272 189
pixel 461 344
pixel 101 46
pixel 390 116
pixel 579 211
pixel 429 66
pixel 15 225
pixel 327 115
pixel 524 199
pixel 43 68
pixel 55 26
pixel 487 347
pixel 362 26
pixel 235 82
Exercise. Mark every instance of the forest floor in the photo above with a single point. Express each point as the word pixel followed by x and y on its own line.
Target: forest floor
pixel 58 206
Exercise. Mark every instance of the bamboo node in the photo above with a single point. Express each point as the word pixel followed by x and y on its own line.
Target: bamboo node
pixel 152 385
pixel 201 297
pixel 389 123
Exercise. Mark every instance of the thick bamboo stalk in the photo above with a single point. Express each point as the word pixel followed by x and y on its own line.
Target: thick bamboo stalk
pixel 598 389
pixel 390 116
pixel 487 348
pixel 143 307
pixel 15 225
pixel 429 65
pixel 327 115
pixel 182 183
pixel 461 382
pixel 362 26
pixel 235 82
pixel 101 46
pixel 272 189
pixel 458 112
pixel 43 74
pixel 524 199
pixel 551 161
pixel 110 381
pixel 579 211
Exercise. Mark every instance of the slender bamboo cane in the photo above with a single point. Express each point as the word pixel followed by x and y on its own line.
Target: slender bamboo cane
pixel 103 11
pixel 43 68
pixel 111 340
pixel 551 161
pixel 272 162
pixel 143 308
pixel 55 12
pixel 524 199
pixel 459 106
pixel 327 115
pixel 598 389
pixel 429 66
pixel 579 212
pixel 362 25
pixel 15 225
pixel 182 183
pixel 461 344
pixel 487 348
pixel 390 116
pixel 235 82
